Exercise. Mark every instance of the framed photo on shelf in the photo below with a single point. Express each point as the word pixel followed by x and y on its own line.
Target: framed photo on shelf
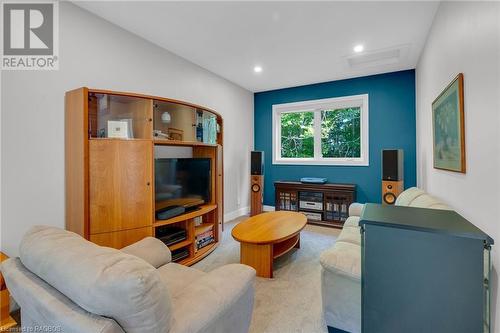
pixel 449 127
pixel 121 129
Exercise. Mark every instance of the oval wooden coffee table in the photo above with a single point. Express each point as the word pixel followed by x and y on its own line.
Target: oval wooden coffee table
pixel 267 236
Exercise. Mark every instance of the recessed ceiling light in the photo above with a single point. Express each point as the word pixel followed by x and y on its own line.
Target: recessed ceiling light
pixel 257 69
pixel 359 48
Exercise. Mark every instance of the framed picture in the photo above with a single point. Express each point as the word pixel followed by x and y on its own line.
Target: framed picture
pixel 121 129
pixel 449 127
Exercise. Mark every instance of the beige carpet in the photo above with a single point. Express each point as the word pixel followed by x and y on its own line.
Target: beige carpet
pixel 291 302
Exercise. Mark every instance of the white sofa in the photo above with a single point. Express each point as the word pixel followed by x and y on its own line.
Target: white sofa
pixel 64 283
pixel 341 265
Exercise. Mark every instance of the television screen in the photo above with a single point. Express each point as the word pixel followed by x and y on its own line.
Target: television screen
pixel 182 181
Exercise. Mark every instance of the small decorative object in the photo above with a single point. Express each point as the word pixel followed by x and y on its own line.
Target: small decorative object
pixel 160 134
pixel 176 134
pixel 449 127
pixel 198 221
pixel 118 129
pixel 313 180
pixel 166 118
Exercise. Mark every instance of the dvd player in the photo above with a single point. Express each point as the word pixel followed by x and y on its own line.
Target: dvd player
pixel 170 212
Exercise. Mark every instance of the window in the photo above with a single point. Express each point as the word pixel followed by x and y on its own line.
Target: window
pixel 330 131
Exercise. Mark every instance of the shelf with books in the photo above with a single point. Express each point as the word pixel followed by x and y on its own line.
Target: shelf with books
pixel 204 238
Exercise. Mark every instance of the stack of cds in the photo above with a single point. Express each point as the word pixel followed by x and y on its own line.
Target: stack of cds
pixel 204 239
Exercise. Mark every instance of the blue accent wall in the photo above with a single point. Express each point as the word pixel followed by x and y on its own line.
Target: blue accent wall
pixel 392 125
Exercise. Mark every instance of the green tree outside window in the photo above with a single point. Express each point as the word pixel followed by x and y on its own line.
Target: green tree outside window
pixel 340 133
pixel 297 134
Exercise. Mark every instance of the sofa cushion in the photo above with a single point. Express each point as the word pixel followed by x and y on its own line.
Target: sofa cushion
pixel 221 301
pixel 350 235
pixel 426 201
pixel 177 277
pixel 407 196
pixel 343 258
pixel 101 280
pixel 151 250
pixel 352 221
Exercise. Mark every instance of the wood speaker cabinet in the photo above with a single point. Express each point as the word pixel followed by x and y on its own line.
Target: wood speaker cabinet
pixel 256 194
pixel 391 190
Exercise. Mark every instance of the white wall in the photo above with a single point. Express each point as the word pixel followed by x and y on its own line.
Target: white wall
pixel 465 37
pixel 97 54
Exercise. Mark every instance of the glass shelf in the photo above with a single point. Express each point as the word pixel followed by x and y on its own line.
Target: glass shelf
pixel 123 117
pixel 177 122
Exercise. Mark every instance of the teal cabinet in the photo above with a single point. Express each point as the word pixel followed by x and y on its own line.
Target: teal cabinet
pixel 423 270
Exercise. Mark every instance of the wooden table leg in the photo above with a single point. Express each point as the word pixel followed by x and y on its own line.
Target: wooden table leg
pixel 297 246
pixel 259 257
pixel 6 321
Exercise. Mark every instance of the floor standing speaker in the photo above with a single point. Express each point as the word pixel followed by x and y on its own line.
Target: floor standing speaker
pixel 392 175
pixel 257 182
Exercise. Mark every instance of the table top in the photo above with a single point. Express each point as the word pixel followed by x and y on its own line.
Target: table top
pixel 269 228
pixel 429 220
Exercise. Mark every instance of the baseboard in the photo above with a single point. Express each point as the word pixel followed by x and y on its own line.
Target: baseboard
pixel 244 211
pixel 236 213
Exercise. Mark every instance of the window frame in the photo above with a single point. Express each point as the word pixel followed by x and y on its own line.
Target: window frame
pixel 317 106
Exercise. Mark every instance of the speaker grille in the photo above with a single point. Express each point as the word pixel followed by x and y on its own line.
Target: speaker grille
pixel 257 163
pixel 392 164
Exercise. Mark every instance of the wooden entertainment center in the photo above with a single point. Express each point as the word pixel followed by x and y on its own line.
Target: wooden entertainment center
pixel 323 204
pixel 112 140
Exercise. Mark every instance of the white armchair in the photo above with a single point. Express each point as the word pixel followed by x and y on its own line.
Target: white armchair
pixel 64 282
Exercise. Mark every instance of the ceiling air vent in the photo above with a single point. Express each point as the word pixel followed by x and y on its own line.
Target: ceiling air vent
pixel 379 57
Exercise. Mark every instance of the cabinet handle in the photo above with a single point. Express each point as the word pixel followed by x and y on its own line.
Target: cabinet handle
pixel 150 119
pixel 148 183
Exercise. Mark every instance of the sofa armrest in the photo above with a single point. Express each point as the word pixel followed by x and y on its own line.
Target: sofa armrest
pixel 226 305
pixel 151 250
pixel 355 209
pixel 343 259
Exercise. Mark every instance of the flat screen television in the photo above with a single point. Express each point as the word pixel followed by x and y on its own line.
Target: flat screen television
pixel 182 182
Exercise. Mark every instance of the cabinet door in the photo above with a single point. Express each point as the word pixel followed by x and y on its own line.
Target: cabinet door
pixel 120 239
pixel 120 173
pixel 286 199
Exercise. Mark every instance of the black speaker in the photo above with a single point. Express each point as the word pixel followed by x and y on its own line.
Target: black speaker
pixel 392 164
pixel 257 163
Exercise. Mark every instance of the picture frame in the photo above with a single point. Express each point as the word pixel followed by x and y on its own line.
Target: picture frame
pixel 448 127
pixel 120 129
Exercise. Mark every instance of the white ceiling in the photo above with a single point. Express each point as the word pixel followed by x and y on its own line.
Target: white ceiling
pixel 295 42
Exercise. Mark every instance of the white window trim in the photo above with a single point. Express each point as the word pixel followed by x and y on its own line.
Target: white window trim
pixel 316 106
